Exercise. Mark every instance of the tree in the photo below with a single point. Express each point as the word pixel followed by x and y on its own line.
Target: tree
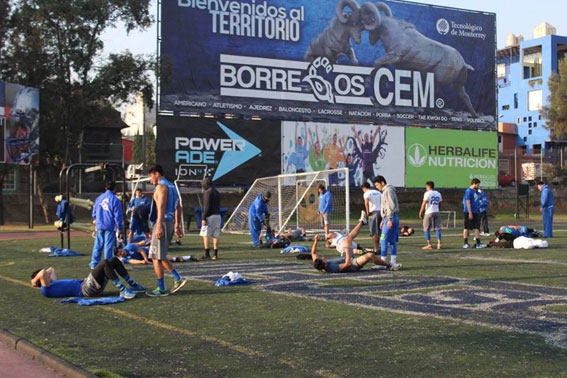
pixel 56 45
pixel 137 151
pixel 555 112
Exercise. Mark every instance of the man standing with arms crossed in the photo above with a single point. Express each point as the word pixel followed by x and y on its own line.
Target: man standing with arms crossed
pixel 325 207
pixel 547 208
pixel 471 215
pixel 432 221
pixel 390 220
pixel 372 199
pixel 107 213
pixel 211 218
pixel 165 214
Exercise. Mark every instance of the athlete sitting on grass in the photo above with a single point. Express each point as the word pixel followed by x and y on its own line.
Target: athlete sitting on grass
pixel 347 264
pixel 92 286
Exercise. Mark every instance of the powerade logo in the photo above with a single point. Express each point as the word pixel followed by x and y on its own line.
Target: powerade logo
pixel 451 156
pixel 235 151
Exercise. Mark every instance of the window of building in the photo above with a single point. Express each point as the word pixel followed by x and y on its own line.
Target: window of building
pixel 501 70
pixel 535 100
pixel 515 101
pixel 499 139
pixel 537 149
pixel 539 117
pixel 530 118
pixel 523 149
pixel 10 181
pixel 535 124
pixel 506 107
pixel 561 51
pixel 525 119
pixel 529 132
pixel 519 120
pixel 530 125
pixel 532 62
pixel 525 139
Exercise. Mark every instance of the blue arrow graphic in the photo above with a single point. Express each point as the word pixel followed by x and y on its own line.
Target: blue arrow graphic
pixel 233 159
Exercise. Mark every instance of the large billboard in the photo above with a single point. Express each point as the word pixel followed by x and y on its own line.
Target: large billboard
pixel 230 152
pixel 451 158
pixel 390 62
pixel 366 150
pixel 19 117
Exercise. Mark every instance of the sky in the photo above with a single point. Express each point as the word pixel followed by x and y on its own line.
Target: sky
pixel 512 16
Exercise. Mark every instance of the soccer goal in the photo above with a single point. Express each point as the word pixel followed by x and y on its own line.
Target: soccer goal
pixel 295 201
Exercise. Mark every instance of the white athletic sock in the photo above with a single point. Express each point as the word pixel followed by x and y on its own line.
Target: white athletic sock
pixel 393 259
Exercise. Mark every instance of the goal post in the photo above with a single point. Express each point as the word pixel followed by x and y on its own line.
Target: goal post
pixel 295 200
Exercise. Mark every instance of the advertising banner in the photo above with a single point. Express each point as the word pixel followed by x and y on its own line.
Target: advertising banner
pixel 366 150
pixel 451 158
pixel 21 131
pixel 2 123
pixel 230 152
pixel 389 62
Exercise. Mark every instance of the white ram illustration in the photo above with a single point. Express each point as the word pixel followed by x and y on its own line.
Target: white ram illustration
pixel 334 41
pixel 408 49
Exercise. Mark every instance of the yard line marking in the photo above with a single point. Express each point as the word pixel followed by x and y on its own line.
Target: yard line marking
pixel 500 259
pixel 8 263
pixel 18 282
pixel 238 348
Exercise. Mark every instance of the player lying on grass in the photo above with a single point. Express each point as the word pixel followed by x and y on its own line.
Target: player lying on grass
pixel 347 264
pixel 136 253
pixel 92 286
pixel 288 237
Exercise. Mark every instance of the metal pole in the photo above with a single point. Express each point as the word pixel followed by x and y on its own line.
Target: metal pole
pixel 516 215
pixel 347 200
pixel 280 202
pixel 30 220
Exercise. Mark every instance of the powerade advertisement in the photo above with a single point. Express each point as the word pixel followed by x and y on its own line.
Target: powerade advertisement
pixel 451 158
pixel 230 152
pixel 366 150
pixel 19 124
pixel 330 60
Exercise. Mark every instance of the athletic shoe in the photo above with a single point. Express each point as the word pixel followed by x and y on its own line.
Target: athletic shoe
pixel 157 292
pixel 379 267
pixel 480 246
pixel 363 217
pixel 206 257
pixel 137 288
pixel 467 246
pixel 394 267
pixel 127 294
pixel 178 285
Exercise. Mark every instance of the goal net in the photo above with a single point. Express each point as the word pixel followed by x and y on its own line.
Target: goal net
pixel 295 200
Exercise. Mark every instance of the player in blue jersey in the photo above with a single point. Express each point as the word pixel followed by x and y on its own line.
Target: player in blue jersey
pixel 92 286
pixel 471 215
pixel 165 215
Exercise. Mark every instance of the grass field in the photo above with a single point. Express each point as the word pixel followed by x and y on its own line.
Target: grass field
pixel 449 313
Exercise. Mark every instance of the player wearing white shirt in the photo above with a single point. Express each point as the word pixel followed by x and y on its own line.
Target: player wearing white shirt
pixel 372 199
pixel 432 220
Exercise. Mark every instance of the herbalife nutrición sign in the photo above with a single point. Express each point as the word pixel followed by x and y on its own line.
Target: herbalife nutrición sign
pixel 451 158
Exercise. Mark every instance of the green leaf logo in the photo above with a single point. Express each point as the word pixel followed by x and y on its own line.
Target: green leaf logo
pixel 417 155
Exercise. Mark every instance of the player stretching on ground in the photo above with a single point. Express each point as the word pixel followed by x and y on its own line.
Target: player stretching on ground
pixel 92 286
pixel 347 264
pixel 432 221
